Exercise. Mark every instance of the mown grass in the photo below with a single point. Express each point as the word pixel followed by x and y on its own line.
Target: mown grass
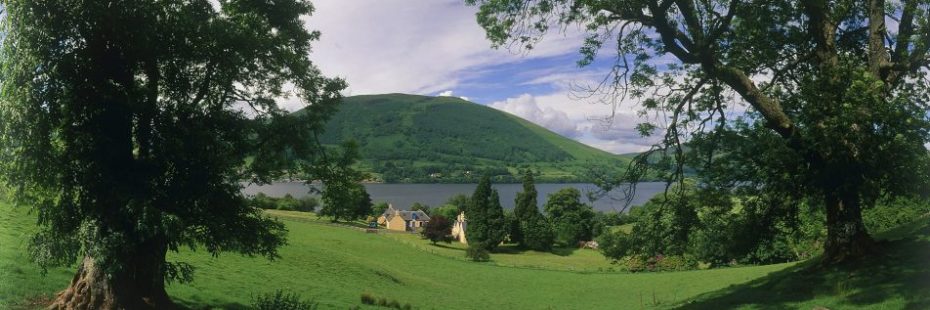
pixel 335 265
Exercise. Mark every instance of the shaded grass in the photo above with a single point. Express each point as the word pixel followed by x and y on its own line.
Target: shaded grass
pixel 896 278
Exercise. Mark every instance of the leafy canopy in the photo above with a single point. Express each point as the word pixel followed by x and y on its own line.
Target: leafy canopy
pixel 126 125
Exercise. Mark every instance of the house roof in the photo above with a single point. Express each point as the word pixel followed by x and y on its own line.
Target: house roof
pixel 406 214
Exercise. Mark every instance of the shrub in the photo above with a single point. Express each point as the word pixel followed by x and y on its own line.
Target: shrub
pixel 438 229
pixel 632 263
pixel 890 214
pixel 614 244
pixel 281 300
pixel 477 252
pixel 307 204
pixel 368 299
pixel 674 263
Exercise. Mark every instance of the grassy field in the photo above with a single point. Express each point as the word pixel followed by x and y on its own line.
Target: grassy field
pixel 335 264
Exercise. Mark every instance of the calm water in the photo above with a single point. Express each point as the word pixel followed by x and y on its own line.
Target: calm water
pixel 404 195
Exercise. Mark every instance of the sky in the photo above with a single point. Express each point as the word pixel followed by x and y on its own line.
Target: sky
pixel 436 48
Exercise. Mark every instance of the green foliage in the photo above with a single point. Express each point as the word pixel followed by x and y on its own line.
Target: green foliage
pixel 344 197
pixel 369 299
pixel 525 207
pixel 439 228
pixel 478 252
pixel 537 233
pixel 714 229
pixel 286 203
pixel 420 207
pixel 572 220
pixel 411 139
pixel 486 222
pixel 131 140
pixel 450 212
pixel 379 208
pixel 843 123
pixel 281 300
pixel 460 201
pixel 891 213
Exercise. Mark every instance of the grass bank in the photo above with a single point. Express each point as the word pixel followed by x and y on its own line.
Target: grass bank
pixel 335 264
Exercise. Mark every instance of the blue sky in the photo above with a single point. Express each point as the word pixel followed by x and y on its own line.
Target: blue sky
pixel 435 47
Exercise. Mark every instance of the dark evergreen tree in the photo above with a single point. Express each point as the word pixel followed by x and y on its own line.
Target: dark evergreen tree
pixel 476 213
pixel 525 207
pixel 525 203
pixel 537 233
pixel 496 221
pixel 486 223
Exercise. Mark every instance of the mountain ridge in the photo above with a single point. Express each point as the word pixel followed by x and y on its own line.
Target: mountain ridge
pixel 421 139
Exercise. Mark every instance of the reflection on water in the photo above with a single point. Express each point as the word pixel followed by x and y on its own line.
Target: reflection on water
pixel 404 195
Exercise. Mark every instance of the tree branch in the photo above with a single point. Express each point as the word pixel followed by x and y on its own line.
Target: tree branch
pixel 878 57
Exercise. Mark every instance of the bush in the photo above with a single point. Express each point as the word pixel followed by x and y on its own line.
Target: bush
pixel 438 229
pixel 890 214
pixel 307 204
pixel 614 244
pixel 281 300
pixel 286 203
pixel 477 252
pixel 674 263
pixel 368 299
pixel 632 263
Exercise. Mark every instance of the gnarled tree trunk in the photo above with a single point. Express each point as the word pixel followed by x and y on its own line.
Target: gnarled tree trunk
pixel 139 285
pixel 847 237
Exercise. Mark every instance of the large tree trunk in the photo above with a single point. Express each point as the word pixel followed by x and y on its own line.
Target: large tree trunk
pixel 140 285
pixel 847 237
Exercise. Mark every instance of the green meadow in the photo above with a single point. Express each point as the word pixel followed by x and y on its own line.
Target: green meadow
pixel 335 264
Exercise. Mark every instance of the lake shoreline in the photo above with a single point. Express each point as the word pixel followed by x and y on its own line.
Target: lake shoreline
pixel 403 195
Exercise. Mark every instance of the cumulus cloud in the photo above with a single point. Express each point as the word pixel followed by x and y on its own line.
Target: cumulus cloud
pixel 603 126
pixel 448 93
pixel 526 107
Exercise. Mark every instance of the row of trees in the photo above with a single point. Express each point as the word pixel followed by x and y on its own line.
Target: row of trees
pixel 566 220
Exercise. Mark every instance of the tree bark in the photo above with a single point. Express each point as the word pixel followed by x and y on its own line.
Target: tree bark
pixel 140 284
pixel 847 237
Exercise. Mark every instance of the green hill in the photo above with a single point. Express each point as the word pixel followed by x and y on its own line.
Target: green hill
pixel 410 138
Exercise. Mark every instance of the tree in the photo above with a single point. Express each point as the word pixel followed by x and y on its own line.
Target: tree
pixel 460 201
pixel 525 206
pixel 572 220
pixel 420 207
pixel 379 208
pixel 126 127
pixel 448 211
pixel 343 195
pixel 485 216
pixel 439 228
pixel 496 221
pixel 537 233
pixel 836 98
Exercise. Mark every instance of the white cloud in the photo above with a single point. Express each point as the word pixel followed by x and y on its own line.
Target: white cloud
pixel 448 93
pixel 526 107
pixel 410 46
pixel 603 126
